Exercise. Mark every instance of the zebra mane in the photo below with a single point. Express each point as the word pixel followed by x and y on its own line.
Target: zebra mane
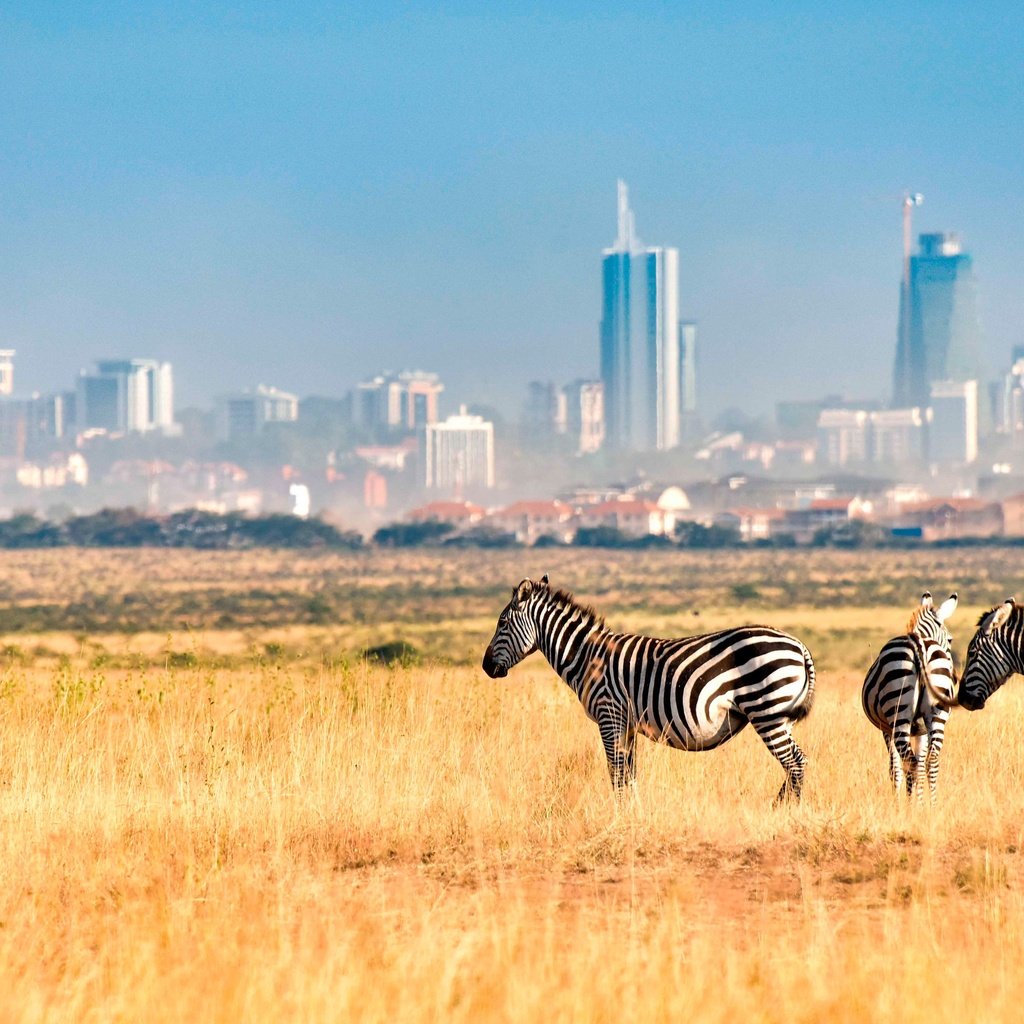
pixel 916 618
pixel 1017 607
pixel 565 599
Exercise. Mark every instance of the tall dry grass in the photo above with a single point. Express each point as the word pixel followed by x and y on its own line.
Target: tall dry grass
pixel 329 843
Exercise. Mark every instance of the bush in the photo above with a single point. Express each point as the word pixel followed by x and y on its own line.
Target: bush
pixel 693 535
pixel 600 537
pixel 129 528
pixel 482 537
pixel 394 652
pixel 546 540
pixel 410 535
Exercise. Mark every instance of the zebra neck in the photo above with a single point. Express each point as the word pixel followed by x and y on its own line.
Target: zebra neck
pixel 569 641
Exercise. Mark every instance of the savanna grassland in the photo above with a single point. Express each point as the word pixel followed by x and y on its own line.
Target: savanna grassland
pixel 213 808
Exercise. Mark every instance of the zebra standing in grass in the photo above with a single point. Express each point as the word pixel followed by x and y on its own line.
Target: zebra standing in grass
pixel 906 695
pixel 996 651
pixel 693 693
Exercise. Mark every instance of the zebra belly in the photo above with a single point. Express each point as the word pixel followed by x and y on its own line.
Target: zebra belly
pixel 711 734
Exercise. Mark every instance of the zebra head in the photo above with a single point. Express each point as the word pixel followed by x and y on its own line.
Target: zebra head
pixel 515 636
pixel 929 622
pixel 992 656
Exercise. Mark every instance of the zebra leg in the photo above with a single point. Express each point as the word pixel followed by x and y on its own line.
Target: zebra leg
pixel 895 765
pixel 921 753
pixel 777 736
pixel 904 751
pixel 619 743
pixel 934 749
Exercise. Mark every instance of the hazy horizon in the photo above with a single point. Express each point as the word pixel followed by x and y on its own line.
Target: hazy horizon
pixel 303 198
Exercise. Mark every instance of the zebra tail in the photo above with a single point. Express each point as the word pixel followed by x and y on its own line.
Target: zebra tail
pixel 924 676
pixel 803 709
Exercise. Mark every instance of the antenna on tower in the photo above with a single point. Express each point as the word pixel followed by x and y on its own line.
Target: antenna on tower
pixel 626 240
pixel 910 200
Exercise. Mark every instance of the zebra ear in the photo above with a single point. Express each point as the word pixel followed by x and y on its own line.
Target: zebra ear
pixel 926 599
pixel 522 592
pixel 997 617
pixel 544 579
pixel 947 608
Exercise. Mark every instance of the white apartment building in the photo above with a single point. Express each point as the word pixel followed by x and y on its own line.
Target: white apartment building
pixel 459 453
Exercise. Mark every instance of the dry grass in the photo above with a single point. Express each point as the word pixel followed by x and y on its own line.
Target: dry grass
pixel 300 839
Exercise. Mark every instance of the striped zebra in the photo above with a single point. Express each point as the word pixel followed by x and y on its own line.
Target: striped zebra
pixel 693 693
pixel 996 651
pixel 906 694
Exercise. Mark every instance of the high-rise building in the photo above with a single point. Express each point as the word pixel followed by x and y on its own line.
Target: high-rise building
pixel 954 428
pixel 398 401
pixel 939 335
pixel 245 414
pixel 844 436
pixel 584 414
pixel 544 412
pixel 640 340
pixel 898 436
pixel 688 379
pixel 1010 400
pixel 459 453
pixel 126 396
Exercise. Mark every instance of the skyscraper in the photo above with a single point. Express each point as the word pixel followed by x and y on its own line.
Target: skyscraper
pixel 640 340
pixel 939 332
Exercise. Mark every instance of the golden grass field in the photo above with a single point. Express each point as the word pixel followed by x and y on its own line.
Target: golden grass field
pixel 271 829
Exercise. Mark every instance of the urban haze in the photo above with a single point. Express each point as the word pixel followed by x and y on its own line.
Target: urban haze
pixel 392 264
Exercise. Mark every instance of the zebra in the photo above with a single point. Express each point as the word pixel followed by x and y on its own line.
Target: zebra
pixel 995 652
pixel 692 693
pixel 906 694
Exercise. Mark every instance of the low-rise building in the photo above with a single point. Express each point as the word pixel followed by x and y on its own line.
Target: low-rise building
pixel 950 518
pixel 631 516
pixel 530 520
pixel 751 523
pixel 458 513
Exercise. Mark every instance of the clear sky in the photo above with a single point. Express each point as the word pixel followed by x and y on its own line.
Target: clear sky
pixel 302 193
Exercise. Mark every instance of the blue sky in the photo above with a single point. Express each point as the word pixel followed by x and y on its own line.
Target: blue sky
pixel 303 196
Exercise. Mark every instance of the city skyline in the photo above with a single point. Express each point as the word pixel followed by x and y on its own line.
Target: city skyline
pixel 226 190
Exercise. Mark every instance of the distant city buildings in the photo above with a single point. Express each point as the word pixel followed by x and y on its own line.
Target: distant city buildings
pixel 126 396
pixel 954 430
pixel 851 436
pixel 459 454
pixel 584 415
pixel 689 425
pixel 397 401
pixel 7 371
pixel 640 340
pixel 575 412
pixel 245 414
pixel 1009 401
pixel 939 335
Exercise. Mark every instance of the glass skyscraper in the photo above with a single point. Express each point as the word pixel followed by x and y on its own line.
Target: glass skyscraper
pixel 640 365
pixel 939 335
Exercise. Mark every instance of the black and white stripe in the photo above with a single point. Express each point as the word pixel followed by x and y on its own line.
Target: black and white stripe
pixel 903 695
pixel 995 653
pixel 693 693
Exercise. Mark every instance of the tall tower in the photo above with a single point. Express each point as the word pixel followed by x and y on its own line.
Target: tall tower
pixel 943 336
pixel 907 368
pixel 640 339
